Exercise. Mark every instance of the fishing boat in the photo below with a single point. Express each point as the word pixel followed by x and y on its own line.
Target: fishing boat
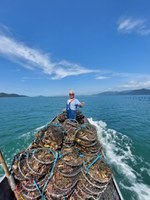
pixel 65 161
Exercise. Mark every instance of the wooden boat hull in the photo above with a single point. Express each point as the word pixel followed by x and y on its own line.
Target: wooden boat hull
pixel 112 191
pixel 5 190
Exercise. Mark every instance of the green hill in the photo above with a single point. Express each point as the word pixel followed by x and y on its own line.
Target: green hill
pixel 2 94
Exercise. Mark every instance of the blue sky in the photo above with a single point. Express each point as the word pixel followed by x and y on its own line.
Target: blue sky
pixel 49 47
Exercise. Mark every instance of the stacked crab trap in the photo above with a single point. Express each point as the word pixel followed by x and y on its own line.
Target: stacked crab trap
pixel 63 162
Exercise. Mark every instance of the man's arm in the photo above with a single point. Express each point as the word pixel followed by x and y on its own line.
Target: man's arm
pixel 81 104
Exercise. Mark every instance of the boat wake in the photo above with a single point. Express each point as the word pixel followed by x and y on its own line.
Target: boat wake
pixel 118 149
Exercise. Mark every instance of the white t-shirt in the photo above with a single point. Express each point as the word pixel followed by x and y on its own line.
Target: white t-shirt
pixel 74 103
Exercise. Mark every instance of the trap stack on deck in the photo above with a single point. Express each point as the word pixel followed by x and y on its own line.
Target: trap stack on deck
pixel 63 162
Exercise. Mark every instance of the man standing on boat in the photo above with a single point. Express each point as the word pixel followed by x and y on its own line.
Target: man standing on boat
pixel 72 105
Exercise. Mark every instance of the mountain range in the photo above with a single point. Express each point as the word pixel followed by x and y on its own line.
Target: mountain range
pixel 127 92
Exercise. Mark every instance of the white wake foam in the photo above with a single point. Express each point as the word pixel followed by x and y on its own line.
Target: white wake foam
pixel 118 152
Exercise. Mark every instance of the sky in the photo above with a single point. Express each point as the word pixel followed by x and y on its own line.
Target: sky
pixel 48 47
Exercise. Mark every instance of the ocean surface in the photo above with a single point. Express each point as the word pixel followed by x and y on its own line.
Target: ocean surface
pixel 123 124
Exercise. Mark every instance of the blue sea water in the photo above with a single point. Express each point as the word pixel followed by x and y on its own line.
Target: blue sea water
pixel 123 124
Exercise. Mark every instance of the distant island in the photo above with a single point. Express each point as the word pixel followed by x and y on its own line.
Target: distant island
pixel 127 92
pixel 2 94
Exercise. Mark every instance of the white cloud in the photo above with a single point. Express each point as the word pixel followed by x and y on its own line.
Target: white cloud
pixel 102 77
pixel 133 80
pixel 125 80
pixel 32 58
pixel 145 32
pixel 135 84
pixel 123 75
pixel 65 68
pixel 107 74
pixel 130 25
